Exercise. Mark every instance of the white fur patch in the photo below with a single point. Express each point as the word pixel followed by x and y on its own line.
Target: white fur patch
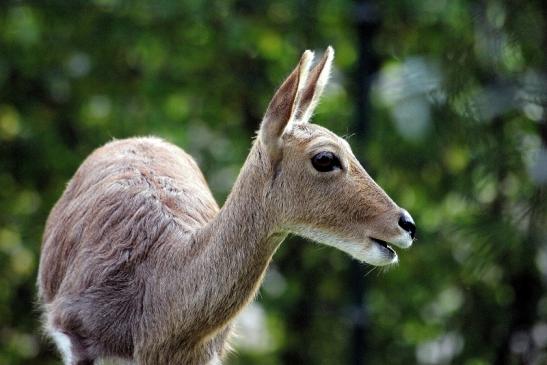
pixel 215 360
pixel 369 252
pixel 63 344
pixel 403 241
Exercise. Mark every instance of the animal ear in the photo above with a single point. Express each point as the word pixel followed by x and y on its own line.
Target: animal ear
pixel 317 79
pixel 284 105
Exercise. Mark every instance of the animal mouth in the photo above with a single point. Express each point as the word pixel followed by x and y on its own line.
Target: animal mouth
pixel 384 246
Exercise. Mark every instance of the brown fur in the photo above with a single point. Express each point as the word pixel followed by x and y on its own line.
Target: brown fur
pixel 138 262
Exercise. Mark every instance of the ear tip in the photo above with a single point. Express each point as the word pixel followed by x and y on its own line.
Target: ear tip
pixel 330 51
pixel 307 56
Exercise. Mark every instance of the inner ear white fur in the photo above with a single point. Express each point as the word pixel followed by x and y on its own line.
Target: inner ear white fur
pixel 315 85
pixel 307 59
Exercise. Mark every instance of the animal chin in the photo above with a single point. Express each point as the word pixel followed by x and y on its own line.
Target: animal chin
pixel 374 251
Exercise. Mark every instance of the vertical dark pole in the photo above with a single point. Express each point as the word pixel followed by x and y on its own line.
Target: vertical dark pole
pixel 366 22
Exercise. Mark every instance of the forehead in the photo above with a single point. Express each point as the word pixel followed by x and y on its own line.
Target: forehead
pixel 308 134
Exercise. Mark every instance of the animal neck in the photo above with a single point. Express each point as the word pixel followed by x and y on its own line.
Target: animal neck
pixel 238 244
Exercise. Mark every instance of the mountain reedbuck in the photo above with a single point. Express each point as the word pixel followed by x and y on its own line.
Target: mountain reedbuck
pixel 139 263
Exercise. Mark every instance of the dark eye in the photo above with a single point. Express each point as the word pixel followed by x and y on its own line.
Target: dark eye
pixel 325 161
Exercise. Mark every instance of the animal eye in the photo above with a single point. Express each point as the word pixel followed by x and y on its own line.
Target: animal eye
pixel 325 161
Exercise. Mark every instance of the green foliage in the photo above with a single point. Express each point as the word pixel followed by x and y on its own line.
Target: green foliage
pixel 457 135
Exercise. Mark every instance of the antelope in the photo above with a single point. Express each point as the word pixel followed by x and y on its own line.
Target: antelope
pixel 139 264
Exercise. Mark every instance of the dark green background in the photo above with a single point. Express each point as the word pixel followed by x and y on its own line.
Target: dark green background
pixel 456 133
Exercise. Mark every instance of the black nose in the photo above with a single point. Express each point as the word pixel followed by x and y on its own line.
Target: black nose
pixel 406 223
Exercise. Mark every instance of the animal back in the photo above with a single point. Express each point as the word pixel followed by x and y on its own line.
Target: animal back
pixel 121 200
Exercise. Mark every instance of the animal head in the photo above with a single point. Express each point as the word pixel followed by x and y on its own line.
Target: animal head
pixel 318 186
